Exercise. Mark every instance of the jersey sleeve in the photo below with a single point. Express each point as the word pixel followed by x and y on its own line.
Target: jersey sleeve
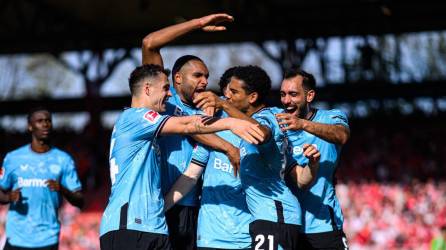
pixel 290 163
pixel 6 174
pixel 149 124
pixel 200 155
pixel 337 117
pixel 69 179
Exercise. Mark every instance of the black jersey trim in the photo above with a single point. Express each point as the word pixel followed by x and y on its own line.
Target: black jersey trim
pixel 199 163
pixel 123 216
pixel 313 115
pixel 279 211
pixel 161 125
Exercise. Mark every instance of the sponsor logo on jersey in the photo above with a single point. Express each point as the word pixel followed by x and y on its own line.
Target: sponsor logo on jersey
pixel 223 166
pixel 152 116
pixel 22 182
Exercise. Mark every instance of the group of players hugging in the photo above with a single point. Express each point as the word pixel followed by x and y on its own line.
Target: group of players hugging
pixel 191 169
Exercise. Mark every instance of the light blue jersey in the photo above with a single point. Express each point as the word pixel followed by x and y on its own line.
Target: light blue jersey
pixel 136 201
pixel 32 221
pixel 261 172
pixel 319 204
pixel 177 150
pixel 223 220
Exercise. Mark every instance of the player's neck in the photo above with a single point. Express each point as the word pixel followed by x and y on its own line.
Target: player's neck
pixel 139 103
pixel 308 113
pixel 253 109
pixel 40 146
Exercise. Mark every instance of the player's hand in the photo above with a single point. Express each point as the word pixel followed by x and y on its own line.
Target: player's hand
pixel 208 99
pixel 313 155
pixel 233 155
pixel 247 131
pixel 15 195
pixel 211 23
pixel 53 185
pixel 289 122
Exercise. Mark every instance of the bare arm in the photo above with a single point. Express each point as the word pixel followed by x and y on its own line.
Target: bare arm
pixel 75 198
pixel 205 125
pixel 217 143
pixel 183 185
pixel 208 99
pixel 7 197
pixel 304 176
pixel 337 134
pixel 153 42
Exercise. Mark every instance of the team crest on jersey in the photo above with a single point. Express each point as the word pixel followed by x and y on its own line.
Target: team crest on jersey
pixel 55 169
pixel 152 116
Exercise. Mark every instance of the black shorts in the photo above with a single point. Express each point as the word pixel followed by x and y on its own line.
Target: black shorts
pixel 131 239
pixel 334 240
pixel 269 235
pixel 211 248
pixel 182 224
pixel 11 247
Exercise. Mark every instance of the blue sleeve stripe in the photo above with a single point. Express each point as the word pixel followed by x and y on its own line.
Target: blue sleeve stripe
pixel 161 125
pixel 199 163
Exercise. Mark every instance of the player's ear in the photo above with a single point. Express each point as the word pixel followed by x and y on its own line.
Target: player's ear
pixel 252 98
pixel 147 89
pixel 30 128
pixel 178 78
pixel 310 95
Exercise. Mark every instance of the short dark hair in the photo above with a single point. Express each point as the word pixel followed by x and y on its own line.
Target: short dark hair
pixel 34 110
pixel 225 79
pixel 180 62
pixel 145 71
pixel 308 83
pixel 256 80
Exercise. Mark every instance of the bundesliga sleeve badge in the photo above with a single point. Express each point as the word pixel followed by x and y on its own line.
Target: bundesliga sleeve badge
pixel 152 116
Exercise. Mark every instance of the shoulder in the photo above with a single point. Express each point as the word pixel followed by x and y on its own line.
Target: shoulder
pixel 60 153
pixel 18 151
pixel 332 114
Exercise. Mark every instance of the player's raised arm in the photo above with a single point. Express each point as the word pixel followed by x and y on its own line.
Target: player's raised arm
pixel 204 125
pixel 154 41
pixel 304 176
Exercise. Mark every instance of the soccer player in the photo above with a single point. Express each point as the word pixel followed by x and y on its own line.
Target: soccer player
pixel 189 77
pixel 328 130
pixel 224 217
pixel 34 179
pixel 269 200
pixel 134 217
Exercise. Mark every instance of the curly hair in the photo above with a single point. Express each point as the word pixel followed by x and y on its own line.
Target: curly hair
pixel 255 80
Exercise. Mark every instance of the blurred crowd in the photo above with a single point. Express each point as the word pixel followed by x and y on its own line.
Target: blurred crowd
pixel 391 183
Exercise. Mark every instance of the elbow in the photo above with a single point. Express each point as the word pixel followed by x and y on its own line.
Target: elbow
pixel 343 138
pixel 147 43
